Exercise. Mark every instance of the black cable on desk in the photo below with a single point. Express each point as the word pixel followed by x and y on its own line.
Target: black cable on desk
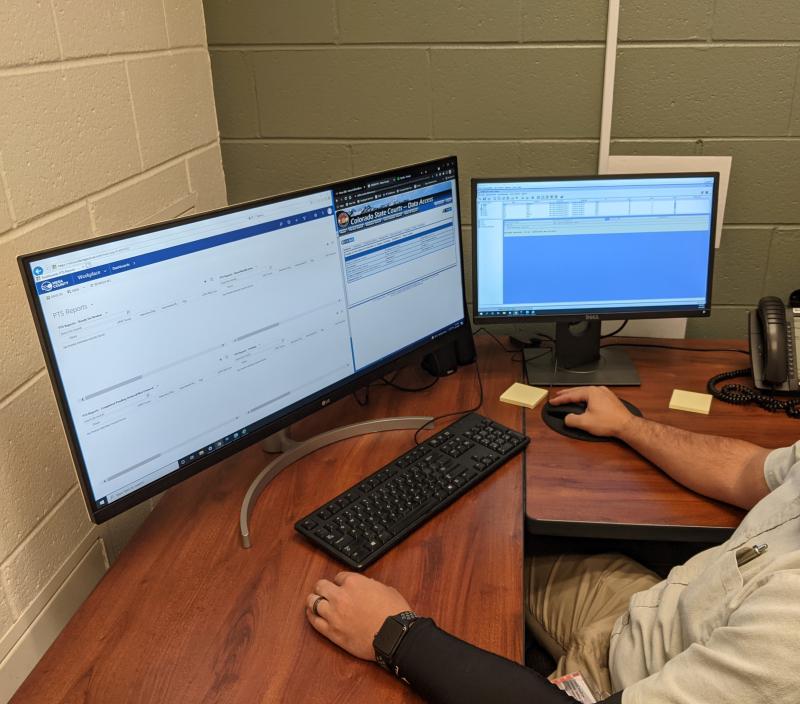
pixel 410 389
pixel 736 394
pixel 496 339
pixel 675 347
pixel 455 413
pixel 741 395
pixel 521 344
pixel 383 381
pixel 618 330
pixel 547 350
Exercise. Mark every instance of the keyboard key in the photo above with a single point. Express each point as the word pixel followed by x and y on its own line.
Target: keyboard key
pixel 343 542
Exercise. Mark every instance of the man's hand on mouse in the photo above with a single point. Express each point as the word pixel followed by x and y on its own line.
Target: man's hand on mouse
pixel 352 609
pixel 605 414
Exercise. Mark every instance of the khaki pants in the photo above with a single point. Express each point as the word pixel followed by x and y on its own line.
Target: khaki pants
pixel 572 603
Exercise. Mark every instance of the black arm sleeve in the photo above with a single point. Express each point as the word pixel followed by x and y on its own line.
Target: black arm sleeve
pixel 446 670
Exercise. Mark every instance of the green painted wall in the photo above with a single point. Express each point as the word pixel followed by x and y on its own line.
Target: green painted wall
pixel 326 89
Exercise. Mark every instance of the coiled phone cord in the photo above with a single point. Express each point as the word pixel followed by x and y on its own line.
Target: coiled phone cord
pixel 740 395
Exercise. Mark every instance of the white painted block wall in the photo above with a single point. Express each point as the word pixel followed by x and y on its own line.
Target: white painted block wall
pixel 107 121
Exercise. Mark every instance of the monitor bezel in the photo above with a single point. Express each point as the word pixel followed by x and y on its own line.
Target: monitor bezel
pixel 306 407
pixel 577 316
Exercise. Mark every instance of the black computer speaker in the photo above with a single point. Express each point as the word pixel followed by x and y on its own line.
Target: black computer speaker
pixel 465 347
pixel 449 357
pixel 441 362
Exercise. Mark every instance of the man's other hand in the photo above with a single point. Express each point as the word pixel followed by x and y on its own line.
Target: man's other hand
pixel 604 415
pixel 353 610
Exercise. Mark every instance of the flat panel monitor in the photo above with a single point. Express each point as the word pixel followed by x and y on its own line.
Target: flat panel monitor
pixel 583 249
pixel 171 347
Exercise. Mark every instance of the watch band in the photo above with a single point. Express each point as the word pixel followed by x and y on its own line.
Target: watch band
pixel 387 640
pixel 406 617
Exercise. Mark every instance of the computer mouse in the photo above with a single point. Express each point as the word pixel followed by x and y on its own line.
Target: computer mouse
pixel 563 409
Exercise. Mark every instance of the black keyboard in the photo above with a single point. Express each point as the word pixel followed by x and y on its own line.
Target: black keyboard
pixel 364 522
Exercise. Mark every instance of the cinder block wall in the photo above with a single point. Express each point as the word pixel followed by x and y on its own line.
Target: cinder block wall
pixel 107 120
pixel 326 89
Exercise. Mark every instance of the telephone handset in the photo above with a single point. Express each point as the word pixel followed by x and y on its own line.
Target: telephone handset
pixel 774 332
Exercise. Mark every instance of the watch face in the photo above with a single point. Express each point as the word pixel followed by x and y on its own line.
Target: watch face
pixel 388 637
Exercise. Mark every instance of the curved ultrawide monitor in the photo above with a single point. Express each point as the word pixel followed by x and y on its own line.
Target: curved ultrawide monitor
pixel 593 247
pixel 171 347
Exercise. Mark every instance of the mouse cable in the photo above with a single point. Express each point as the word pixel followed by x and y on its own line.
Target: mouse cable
pixel 741 395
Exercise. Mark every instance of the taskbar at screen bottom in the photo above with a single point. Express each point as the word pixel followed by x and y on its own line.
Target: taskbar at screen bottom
pixel 196 454
pixel 550 314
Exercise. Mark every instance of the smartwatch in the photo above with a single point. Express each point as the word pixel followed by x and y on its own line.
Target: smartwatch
pixel 387 640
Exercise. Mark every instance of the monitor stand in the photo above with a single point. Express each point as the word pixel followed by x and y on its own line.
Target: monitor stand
pixel 293 451
pixel 579 360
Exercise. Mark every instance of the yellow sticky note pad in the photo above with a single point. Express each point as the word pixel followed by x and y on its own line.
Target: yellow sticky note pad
pixel 523 395
pixel 690 401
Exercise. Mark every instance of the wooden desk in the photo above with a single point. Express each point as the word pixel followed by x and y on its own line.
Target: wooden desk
pixel 605 490
pixel 187 615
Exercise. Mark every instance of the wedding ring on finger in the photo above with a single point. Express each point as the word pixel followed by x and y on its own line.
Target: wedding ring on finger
pixel 315 605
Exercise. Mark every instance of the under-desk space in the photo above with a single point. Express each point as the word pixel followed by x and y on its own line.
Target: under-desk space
pixel 187 615
pixel 606 490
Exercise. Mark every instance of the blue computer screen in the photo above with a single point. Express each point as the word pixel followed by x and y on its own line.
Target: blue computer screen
pixel 595 245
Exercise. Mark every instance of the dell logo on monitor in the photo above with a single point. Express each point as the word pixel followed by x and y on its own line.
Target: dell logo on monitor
pixel 325 401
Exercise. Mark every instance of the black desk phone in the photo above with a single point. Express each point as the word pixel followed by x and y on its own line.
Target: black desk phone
pixel 774 331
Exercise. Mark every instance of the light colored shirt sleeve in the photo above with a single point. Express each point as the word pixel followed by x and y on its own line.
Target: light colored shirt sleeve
pixel 754 658
pixel 778 464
